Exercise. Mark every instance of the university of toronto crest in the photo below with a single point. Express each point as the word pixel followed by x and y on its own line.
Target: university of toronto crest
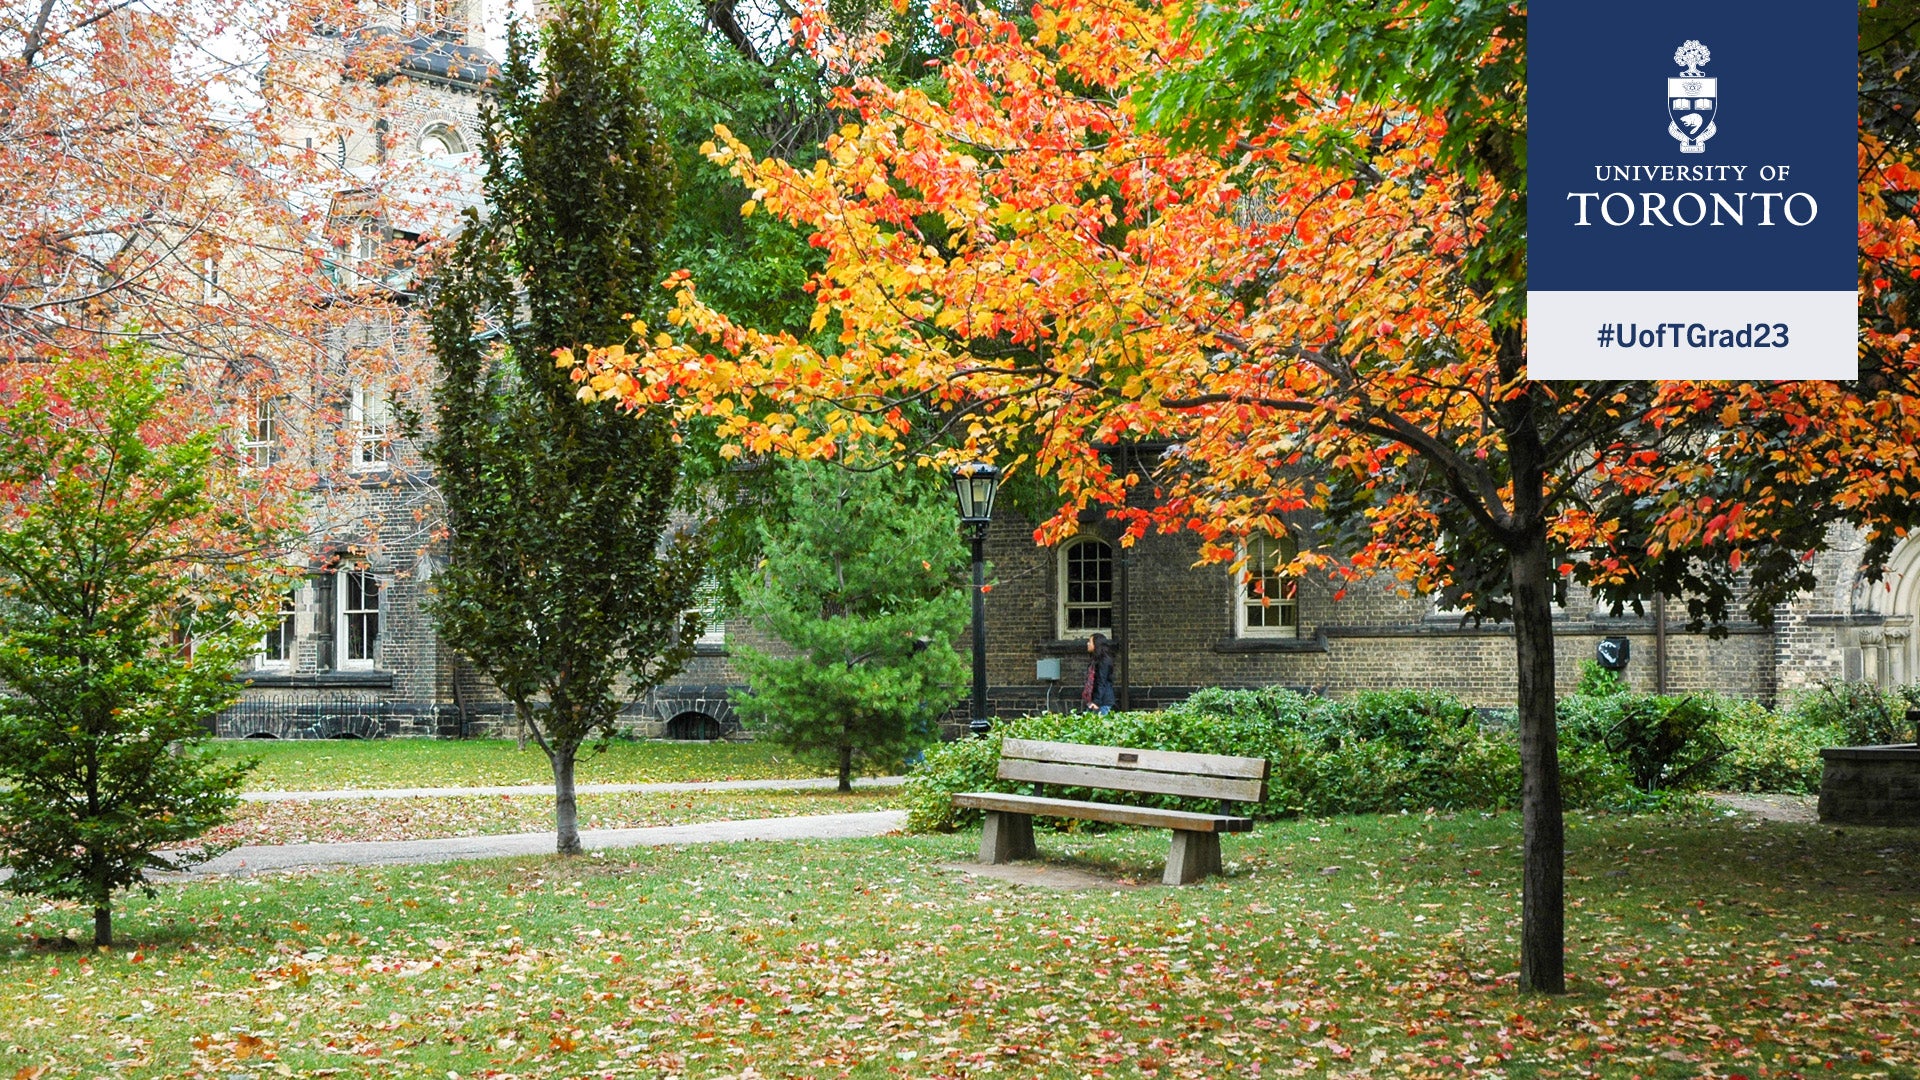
pixel 1692 99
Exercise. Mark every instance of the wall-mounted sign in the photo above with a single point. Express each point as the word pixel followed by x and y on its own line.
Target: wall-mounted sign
pixel 1691 179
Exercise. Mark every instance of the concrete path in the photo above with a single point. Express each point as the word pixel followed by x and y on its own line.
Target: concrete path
pixel 1798 809
pixel 266 858
pixel 824 783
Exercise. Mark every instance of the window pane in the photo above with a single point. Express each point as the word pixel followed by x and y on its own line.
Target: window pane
pixel 370 414
pixel 360 611
pixel 1269 598
pixel 1087 591
pixel 279 643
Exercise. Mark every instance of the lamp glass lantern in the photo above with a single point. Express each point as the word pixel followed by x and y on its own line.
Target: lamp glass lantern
pixel 974 486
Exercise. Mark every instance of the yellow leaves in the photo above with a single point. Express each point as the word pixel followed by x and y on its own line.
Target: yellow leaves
pixel 747 208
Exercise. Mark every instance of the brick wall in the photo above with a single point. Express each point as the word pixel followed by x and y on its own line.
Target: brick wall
pixel 1174 624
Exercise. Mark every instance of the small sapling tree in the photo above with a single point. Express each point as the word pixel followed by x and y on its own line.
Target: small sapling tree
pixel 133 572
pixel 860 582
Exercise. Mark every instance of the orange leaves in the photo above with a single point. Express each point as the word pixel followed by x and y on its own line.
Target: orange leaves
pixel 1016 255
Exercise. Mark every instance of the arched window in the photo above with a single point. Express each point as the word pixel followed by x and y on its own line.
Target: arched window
pixel 1266 602
pixel 441 141
pixel 1086 588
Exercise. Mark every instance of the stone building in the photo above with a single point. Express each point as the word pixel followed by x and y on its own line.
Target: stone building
pixel 354 653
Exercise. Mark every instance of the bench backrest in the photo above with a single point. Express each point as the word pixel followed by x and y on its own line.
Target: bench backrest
pixel 1117 768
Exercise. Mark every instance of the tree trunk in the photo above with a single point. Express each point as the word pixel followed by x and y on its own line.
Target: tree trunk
pixel 566 809
pixel 1542 906
pixel 846 768
pixel 102 925
pixel 522 725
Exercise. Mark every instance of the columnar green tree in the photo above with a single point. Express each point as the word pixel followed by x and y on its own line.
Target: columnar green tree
pixel 563 584
pixel 133 574
pixel 860 581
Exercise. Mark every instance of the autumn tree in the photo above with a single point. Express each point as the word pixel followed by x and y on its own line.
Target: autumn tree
pixel 564 583
pixel 214 180
pixel 159 189
pixel 1322 318
pixel 134 572
pixel 858 582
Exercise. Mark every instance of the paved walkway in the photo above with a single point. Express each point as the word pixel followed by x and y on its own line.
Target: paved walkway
pixel 1799 809
pixel 265 858
pixel 824 783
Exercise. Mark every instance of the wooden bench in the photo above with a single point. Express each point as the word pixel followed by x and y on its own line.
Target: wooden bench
pixel 1008 834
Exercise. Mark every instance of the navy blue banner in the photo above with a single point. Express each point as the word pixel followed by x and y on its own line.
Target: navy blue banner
pixel 1697 151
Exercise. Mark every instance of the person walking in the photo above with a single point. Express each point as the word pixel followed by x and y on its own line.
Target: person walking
pixel 1097 694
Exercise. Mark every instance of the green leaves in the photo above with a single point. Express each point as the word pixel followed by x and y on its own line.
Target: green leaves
pixel 132 582
pixel 566 583
pixel 859 587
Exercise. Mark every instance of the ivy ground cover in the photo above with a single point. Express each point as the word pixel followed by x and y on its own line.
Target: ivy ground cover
pixel 1370 946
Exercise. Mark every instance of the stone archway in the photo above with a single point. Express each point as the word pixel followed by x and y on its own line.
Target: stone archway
pixel 1883 649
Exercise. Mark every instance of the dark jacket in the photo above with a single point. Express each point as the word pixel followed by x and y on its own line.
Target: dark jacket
pixel 1103 681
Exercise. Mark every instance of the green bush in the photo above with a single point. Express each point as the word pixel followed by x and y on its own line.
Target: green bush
pixel 1859 714
pixel 1376 752
pixel 1596 681
pixel 1770 751
pixel 1380 752
pixel 1663 742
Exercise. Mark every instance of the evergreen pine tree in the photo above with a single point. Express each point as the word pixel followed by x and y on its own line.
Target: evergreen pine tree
pixel 859 581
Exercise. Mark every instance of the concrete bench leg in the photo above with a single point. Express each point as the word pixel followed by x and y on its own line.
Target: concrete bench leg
pixel 1193 856
pixel 1006 837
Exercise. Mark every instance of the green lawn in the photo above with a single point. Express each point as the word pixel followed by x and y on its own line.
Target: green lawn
pixel 1701 947
pixel 482 815
pixel 323 764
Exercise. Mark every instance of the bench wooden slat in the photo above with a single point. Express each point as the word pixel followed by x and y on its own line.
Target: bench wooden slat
pixel 1169 761
pixel 1179 820
pixel 1122 779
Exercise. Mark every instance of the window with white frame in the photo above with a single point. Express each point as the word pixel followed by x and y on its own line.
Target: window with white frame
pixel 713 615
pixel 370 420
pixel 276 649
pixel 210 279
pixel 1086 588
pixel 358 640
pixel 1267 601
pixel 433 14
pixel 261 441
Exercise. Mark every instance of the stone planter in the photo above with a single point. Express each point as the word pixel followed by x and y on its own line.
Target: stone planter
pixel 1870 785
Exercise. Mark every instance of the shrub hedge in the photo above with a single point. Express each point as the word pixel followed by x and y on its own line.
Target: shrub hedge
pixel 1414 750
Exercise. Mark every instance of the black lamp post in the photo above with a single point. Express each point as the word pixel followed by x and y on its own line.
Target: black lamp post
pixel 974 486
